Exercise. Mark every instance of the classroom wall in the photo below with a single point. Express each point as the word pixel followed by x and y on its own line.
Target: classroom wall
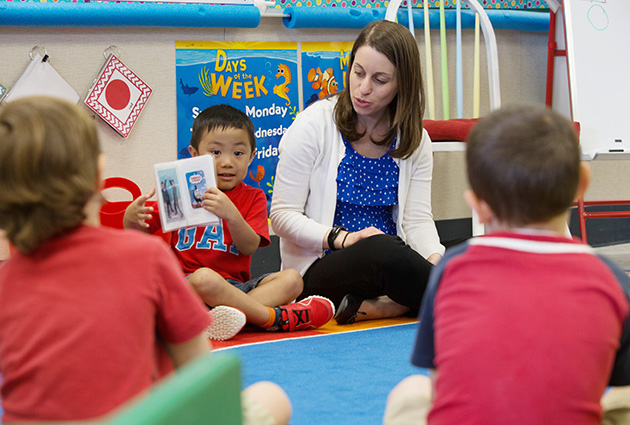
pixel 77 54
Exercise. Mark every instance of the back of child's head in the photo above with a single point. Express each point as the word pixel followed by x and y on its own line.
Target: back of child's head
pixel 49 152
pixel 221 117
pixel 524 162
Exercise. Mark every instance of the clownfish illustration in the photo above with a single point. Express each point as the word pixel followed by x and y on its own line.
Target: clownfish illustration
pixel 282 90
pixel 325 81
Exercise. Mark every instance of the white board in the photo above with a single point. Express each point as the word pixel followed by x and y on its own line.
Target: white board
pixel 598 57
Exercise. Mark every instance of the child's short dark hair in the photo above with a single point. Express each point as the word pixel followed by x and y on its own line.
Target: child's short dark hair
pixel 525 163
pixel 222 117
pixel 49 152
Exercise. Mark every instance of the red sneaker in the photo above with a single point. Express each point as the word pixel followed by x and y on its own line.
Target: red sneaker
pixel 310 313
pixel 226 323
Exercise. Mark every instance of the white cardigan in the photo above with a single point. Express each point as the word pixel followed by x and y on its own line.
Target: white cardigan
pixel 305 189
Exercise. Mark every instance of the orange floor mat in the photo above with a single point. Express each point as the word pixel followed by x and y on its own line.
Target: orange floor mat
pixel 255 335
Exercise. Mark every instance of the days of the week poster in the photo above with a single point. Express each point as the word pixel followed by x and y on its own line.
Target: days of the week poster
pixel 259 78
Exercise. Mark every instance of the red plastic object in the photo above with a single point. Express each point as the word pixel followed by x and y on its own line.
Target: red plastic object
pixel 112 213
pixel 455 129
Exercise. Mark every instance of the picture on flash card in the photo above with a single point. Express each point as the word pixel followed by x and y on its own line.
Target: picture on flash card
pixel 181 185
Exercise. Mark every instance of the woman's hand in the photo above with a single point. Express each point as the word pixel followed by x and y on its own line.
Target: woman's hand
pixel 349 238
pixel 434 258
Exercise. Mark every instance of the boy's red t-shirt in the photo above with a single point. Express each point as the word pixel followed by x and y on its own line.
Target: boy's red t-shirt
pixel 84 319
pixel 212 246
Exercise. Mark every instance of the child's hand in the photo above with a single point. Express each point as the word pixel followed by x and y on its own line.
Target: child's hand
pixel 136 213
pixel 217 202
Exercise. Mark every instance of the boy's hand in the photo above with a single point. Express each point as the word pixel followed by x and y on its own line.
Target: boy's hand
pixel 244 237
pixel 217 202
pixel 136 213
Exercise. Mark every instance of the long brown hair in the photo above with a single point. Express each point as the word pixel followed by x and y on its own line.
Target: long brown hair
pixel 407 109
pixel 49 153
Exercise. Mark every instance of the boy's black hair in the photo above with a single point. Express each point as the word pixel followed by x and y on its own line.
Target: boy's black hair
pixel 524 162
pixel 222 117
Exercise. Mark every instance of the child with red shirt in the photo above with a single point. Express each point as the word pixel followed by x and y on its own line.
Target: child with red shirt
pixel 83 317
pixel 522 325
pixel 217 259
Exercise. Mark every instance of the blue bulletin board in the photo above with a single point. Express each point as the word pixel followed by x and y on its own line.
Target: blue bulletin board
pixel 259 78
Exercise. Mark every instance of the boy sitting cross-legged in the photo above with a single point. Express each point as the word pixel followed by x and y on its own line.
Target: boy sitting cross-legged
pixel 217 259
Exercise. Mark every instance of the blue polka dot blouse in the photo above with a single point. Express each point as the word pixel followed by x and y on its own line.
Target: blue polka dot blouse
pixel 367 190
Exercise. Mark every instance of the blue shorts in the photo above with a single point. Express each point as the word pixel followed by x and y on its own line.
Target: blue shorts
pixel 249 285
pixel 243 286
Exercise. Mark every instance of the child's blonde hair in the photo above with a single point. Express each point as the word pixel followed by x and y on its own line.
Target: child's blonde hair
pixel 49 152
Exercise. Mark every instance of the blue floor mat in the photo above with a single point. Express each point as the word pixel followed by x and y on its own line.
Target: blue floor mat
pixel 341 378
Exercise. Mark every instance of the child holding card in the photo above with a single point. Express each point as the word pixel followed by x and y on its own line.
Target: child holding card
pixel 217 259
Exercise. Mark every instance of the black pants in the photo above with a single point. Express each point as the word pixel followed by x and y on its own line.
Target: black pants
pixel 375 266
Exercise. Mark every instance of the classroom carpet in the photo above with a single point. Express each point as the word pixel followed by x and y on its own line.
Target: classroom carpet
pixel 334 376
pixel 255 335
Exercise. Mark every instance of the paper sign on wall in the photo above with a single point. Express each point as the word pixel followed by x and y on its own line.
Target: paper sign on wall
pixel 41 79
pixel 118 96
